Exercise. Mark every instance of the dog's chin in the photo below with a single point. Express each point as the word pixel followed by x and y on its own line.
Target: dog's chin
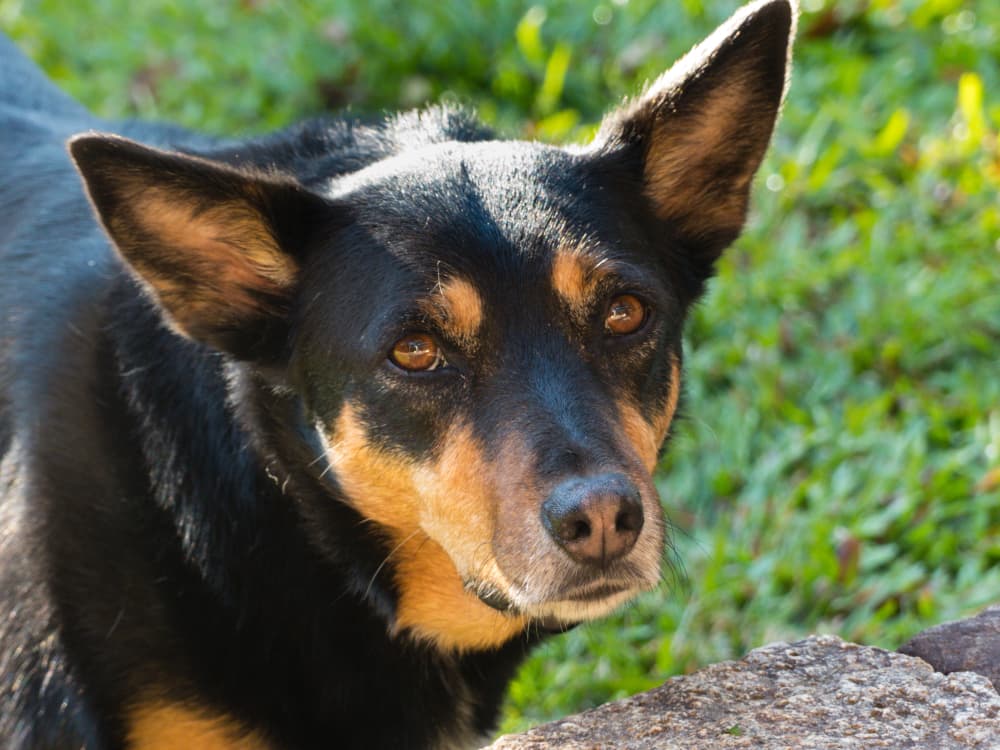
pixel 569 609
pixel 579 610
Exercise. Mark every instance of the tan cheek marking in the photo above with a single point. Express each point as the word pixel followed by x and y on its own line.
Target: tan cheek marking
pixel 640 435
pixel 160 725
pixel 459 515
pixel 379 484
pixel 426 509
pixel 435 607
pixel 645 437
pixel 666 417
pixel 459 508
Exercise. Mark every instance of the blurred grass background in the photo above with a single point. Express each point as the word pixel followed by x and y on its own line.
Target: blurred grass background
pixel 838 465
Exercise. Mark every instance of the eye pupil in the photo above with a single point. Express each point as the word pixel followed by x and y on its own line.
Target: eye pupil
pixel 626 314
pixel 415 352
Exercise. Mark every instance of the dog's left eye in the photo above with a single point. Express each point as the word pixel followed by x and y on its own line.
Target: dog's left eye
pixel 625 315
pixel 417 352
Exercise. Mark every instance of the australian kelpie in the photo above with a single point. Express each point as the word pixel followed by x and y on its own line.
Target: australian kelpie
pixel 307 439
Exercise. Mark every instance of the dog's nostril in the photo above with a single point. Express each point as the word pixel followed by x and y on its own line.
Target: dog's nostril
pixel 629 519
pixel 580 530
pixel 594 519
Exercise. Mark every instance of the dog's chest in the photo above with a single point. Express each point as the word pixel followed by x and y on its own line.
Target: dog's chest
pixel 163 725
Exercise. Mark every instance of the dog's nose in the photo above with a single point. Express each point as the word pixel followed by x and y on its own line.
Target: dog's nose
pixel 595 519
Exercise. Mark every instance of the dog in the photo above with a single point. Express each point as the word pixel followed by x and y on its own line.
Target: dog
pixel 308 439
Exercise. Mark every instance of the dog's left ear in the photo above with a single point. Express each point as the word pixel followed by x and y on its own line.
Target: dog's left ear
pixel 698 134
pixel 216 247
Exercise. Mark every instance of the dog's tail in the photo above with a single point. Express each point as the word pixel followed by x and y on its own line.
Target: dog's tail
pixel 23 86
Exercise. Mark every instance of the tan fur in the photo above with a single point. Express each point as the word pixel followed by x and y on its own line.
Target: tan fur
pixel 687 153
pixel 576 271
pixel 465 516
pixel 535 569
pixel 457 308
pixel 427 508
pixel 435 607
pixel 158 725
pixel 705 146
pixel 379 484
pixel 662 423
pixel 228 248
pixel 647 437
pixel 232 232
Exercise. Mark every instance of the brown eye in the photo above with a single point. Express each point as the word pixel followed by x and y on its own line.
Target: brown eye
pixel 626 314
pixel 416 352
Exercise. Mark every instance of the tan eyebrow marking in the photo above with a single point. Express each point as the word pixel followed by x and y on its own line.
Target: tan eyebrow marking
pixel 576 272
pixel 457 307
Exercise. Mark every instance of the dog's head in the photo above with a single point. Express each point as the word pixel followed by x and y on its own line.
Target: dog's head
pixel 484 336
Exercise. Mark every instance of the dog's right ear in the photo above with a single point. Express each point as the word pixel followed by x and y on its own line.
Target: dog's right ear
pixel 690 144
pixel 215 246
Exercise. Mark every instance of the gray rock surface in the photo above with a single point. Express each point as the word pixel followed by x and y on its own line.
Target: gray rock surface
pixel 816 693
pixel 971 645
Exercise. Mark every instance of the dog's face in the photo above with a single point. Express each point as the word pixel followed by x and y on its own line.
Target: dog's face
pixel 484 336
pixel 508 356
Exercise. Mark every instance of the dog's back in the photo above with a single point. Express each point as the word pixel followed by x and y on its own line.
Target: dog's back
pixel 51 255
pixel 52 262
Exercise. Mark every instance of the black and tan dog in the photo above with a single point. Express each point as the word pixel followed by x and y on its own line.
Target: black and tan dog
pixel 341 421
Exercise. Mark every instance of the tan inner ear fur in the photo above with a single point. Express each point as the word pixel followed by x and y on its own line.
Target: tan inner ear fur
pixel 426 508
pixel 227 251
pixel 699 166
pixel 711 120
pixel 159 725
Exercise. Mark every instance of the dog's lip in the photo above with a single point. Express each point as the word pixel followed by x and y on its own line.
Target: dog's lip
pixel 591 592
pixel 596 591
pixel 495 599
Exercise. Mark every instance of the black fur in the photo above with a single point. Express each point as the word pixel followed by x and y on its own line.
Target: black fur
pixel 164 519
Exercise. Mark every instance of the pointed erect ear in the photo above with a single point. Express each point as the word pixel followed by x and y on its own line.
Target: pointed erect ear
pixel 215 246
pixel 699 132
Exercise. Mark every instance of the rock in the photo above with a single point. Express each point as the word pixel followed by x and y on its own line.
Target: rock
pixel 816 693
pixel 971 645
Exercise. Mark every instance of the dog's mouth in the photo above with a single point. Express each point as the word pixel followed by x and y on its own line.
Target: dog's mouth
pixel 596 592
pixel 556 613
pixel 497 600
pixel 492 597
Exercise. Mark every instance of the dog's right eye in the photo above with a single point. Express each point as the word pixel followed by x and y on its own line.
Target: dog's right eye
pixel 626 314
pixel 417 352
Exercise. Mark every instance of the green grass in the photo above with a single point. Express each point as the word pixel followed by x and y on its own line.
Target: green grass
pixel 838 466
